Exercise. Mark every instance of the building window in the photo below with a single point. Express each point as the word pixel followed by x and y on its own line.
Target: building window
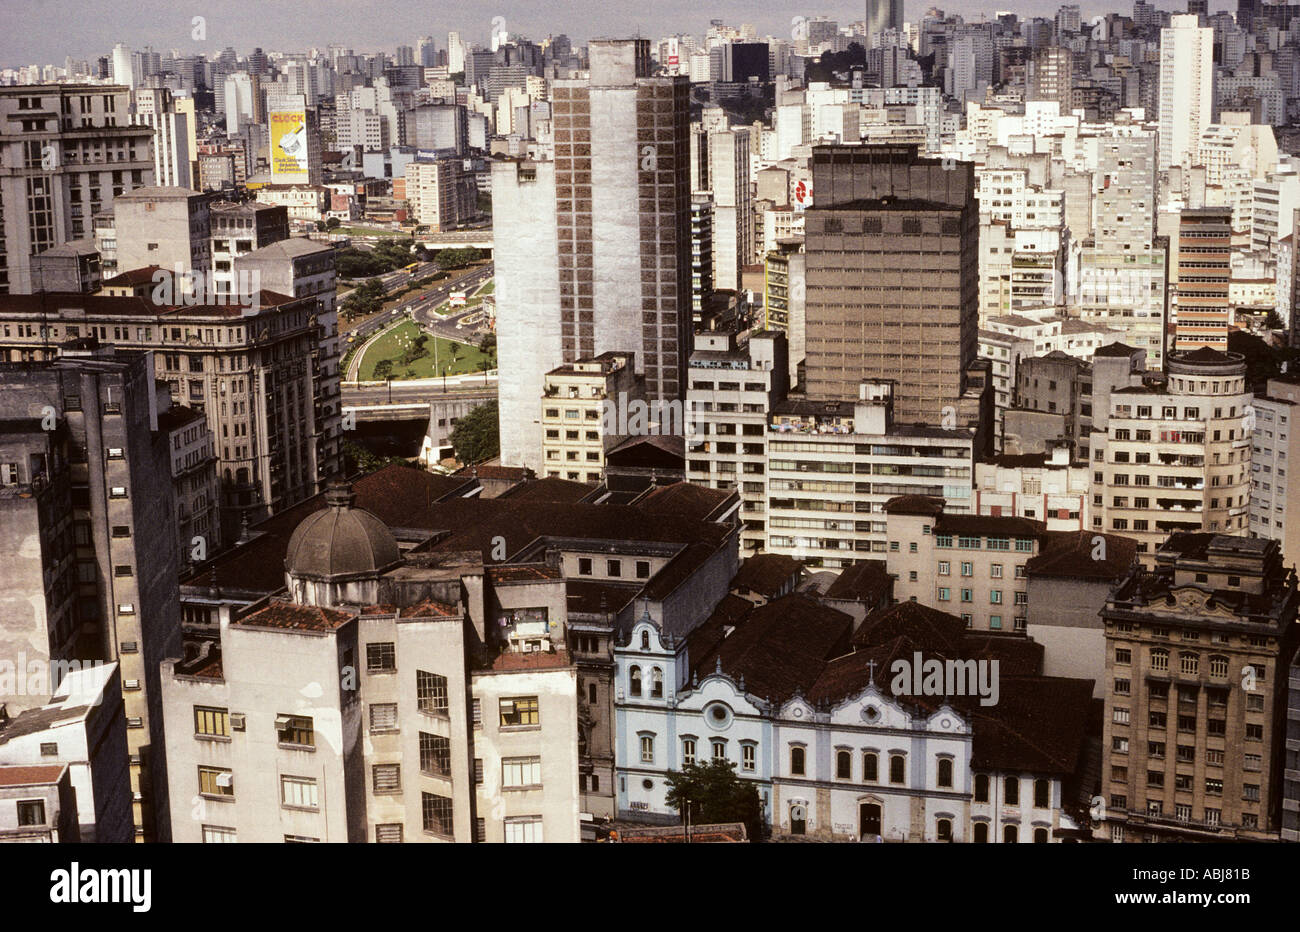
pixel 381 657
pixel 614 568
pixel 719 749
pixel 1011 791
pixel 1010 834
pixel 1042 794
pixel 386 778
pixel 389 833
pixel 642 569
pixel 656 683
pixel 521 771
pixel 634 681
pixel 216 781
pixel 1188 662
pixel 431 692
pixel 981 833
pixel 843 765
pixel 383 716
pixel 748 755
pixel 296 730
pixel 436 814
pixel 945 772
pixel 520 710
pixel 218 835
pixel 211 722
pixel 1159 659
pixel 435 755
pixel 584 566
pixel 943 830
pixel 797 761
pixel 647 749
pixel 870 767
pixel 31 812
pixel 524 830
pixel 897 768
pixel 981 787
pixel 688 752
pixel 1040 836
pixel 480 830
pixel 299 793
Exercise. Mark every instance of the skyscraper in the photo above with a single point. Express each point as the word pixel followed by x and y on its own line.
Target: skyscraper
pixel 155 106
pixel 892 277
pixel 600 257
pixel 55 182
pixel 1202 306
pixel 884 14
pixel 1186 87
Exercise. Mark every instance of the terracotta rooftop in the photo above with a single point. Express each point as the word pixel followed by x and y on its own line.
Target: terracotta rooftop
pixel 297 617
pixel 686 500
pixel 867 581
pixel 781 648
pixel 429 608
pixel 34 775
pixel 1072 555
pixel 767 573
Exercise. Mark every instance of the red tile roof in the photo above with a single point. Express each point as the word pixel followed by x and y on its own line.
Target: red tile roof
pixel 33 775
pixel 297 617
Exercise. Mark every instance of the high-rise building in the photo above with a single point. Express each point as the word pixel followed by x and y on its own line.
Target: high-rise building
pixel 910 226
pixel 68 151
pixel 598 257
pixel 441 195
pixel 155 106
pixel 1173 453
pixel 1121 281
pixel 736 379
pixel 882 15
pixel 1198 651
pixel 94 487
pixel 1050 73
pixel 265 374
pixel 1275 491
pixel 1186 88
pixel 1201 307
pixel 733 220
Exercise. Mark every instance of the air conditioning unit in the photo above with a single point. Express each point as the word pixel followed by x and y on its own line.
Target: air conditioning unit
pixel 237 721
pixel 225 779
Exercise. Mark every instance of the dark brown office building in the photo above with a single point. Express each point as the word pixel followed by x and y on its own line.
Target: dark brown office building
pixel 892 278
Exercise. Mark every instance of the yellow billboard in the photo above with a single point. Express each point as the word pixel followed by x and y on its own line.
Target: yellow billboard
pixel 288 145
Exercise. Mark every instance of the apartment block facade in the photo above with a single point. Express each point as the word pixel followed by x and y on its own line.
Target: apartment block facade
pixel 68 150
pixel 1198 653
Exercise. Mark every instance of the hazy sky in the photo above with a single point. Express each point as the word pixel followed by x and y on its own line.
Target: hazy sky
pixel 49 30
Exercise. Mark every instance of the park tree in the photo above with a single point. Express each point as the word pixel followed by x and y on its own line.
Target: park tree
pixel 475 437
pixel 715 794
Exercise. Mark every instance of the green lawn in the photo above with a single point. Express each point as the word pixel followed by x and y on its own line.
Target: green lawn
pixel 389 346
pixel 489 288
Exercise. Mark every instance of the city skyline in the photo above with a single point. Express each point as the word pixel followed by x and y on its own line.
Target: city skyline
pixel 162 26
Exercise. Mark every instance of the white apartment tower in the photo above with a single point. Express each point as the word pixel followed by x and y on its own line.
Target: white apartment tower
pixel 1186 87
pixel 733 221
pixel 600 259
pixel 155 107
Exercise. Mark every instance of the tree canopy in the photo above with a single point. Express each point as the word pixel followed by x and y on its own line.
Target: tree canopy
pixel 475 437
pixel 715 795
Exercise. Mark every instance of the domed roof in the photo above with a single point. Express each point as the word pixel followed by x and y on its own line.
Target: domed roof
pixel 340 540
